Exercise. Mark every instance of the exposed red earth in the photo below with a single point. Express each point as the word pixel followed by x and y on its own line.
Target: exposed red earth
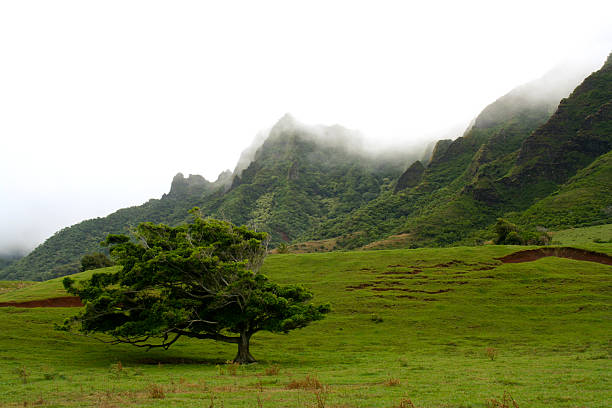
pixel 531 255
pixel 64 301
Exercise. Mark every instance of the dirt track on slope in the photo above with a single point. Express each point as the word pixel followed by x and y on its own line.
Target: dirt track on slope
pixel 65 301
pixel 531 255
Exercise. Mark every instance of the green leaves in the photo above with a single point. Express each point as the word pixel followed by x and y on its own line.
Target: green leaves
pixel 198 280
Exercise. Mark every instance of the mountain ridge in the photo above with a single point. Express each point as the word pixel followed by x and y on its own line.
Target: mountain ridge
pixel 301 182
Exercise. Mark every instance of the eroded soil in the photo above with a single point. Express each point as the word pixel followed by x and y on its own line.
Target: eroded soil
pixel 531 255
pixel 64 301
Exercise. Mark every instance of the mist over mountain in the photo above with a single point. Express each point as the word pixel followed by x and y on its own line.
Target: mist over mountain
pixel 302 182
pixel 540 94
pixel 299 176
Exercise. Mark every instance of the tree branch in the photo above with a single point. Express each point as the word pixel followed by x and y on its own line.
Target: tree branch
pixel 210 336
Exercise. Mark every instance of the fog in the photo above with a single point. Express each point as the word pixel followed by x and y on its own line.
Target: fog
pixel 101 104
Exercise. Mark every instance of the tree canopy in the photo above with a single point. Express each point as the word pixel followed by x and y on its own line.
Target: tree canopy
pixel 200 280
pixel 95 260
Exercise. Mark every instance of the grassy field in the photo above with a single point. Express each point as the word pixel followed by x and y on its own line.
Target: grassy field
pixel 24 291
pixel 433 327
pixel 11 286
pixel 592 236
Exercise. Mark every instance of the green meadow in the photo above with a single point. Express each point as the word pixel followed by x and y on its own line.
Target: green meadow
pixel 591 236
pixel 449 327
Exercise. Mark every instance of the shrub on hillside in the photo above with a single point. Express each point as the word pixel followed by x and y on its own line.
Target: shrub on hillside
pixel 95 260
pixel 510 234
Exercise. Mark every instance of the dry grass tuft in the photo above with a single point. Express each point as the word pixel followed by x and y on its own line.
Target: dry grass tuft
pixel 406 403
pixel 309 383
pixel 156 391
pixel 230 368
pixel 23 374
pixel 321 397
pixel 273 370
pixel 506 402
pixel 491 353
pixel 392 382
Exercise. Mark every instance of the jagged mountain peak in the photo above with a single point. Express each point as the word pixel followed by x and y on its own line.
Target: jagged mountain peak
pixel 224 176
pixel 181 185
pixel 289 131
pixel 285 123
pixel 541 94
pixel 608 64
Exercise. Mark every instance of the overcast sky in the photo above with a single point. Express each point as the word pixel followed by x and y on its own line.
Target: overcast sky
pixel 102 103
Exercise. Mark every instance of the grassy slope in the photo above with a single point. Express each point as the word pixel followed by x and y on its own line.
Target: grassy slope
pixel 9 286
pixel 44 290
pixel 587 236
pixel 548 321
pixel 584 199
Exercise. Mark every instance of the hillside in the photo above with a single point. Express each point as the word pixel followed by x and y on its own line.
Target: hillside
pixel 60 254
pixel 442 201
pixel 302 183
pixel 298 177
pixel 523 160
pixel 584 199
pixel 302 176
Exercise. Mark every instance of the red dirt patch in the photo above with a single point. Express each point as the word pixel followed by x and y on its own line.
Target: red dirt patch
pixel 531 255
pixel 429 292
pixel 65 301
pixel 412 272
pixel 360 286
pixel 449 264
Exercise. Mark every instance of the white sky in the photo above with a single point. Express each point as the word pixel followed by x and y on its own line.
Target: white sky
pixel 101 103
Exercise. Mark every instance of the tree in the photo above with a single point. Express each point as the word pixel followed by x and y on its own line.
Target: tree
pixel 95 260
pixel 510 234
pixel 199 280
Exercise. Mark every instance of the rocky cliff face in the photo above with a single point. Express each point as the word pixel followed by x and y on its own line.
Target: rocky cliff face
pixel 411 177
pixel 440 148
pixel 579 131
pixel 193 184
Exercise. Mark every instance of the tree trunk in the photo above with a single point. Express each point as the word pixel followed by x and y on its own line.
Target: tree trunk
pixel 244 356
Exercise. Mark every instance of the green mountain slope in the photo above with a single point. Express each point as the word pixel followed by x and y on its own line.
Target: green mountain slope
pixel 60 254
pixel 300 177
pixel 488 172
pixel 437 204
pixel 302 183
pixel 514 167
pixel 584 199
pixel 579 131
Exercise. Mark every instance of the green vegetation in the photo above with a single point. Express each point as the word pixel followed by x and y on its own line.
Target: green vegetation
pixel 198 280
pixel 6 260
pixel 95 260
pixel 541 162
pixel 586 236
pixel 21 291
pixel 584 200
pixel 438 327
pixel 9 286
pixel 510 234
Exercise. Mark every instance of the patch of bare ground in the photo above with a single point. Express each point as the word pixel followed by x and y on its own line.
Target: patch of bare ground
pixel 531 255
pixel 360 286
pixel 429 292
pixel 391 242
pixel 405 272
pixel 64 301
pixel 454 262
